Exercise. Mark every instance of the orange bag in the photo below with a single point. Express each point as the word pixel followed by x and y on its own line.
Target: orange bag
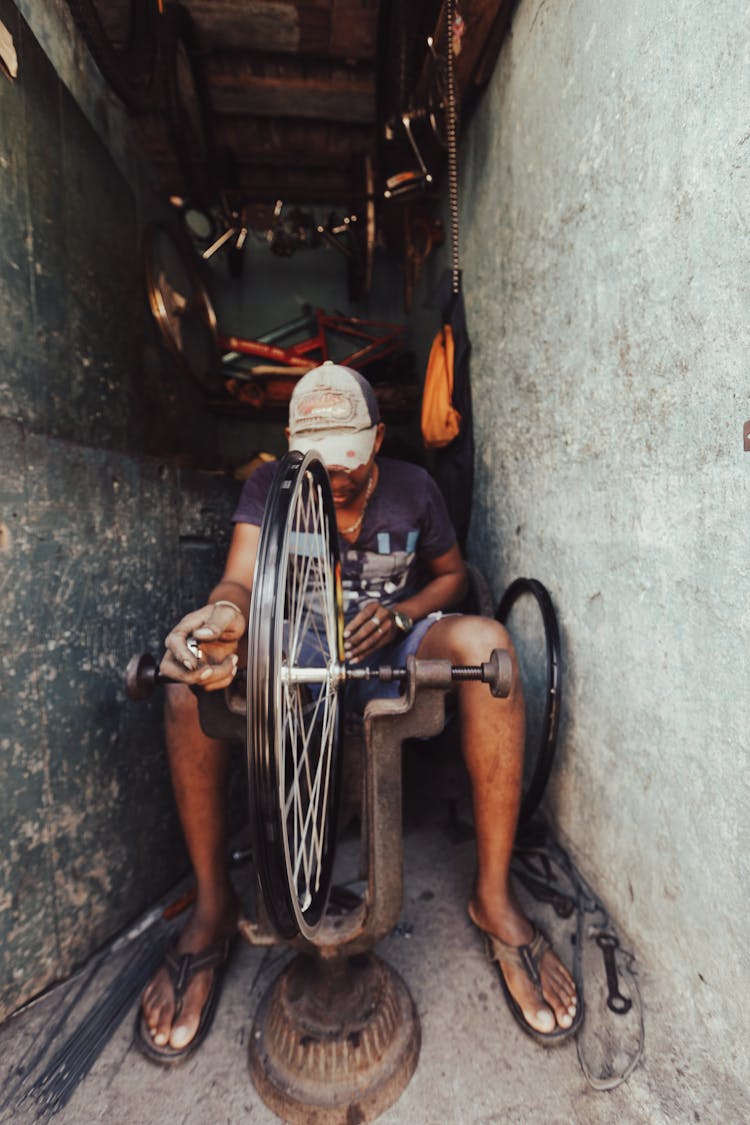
pixel 441 421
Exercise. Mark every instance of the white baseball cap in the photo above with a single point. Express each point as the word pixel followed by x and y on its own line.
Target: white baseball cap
pixel 333 410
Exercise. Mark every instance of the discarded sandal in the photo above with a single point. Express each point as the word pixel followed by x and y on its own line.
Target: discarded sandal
pixel 182 967
pixel 528 958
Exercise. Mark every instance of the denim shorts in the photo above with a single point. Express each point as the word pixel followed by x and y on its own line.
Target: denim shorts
pixel 360 692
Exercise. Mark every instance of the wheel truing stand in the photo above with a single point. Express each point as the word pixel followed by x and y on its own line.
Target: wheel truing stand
pixel 336 1037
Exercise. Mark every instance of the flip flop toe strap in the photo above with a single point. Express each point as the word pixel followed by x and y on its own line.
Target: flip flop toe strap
pixel 526 957
pixel 182 967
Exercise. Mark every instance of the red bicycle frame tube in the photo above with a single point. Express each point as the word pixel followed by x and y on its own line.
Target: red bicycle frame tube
pixel 378 339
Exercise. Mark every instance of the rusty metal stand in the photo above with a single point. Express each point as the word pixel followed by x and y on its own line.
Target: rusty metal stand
pixel 336 1037
pixel 335 1040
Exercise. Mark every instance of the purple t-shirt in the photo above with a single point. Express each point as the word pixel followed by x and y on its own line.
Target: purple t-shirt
pixel 405 523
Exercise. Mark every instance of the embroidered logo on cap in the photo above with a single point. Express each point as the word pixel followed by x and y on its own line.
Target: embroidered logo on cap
pixel 327 407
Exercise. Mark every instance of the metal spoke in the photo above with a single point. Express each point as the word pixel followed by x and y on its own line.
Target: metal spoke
pixel 317 789
pixel 295 673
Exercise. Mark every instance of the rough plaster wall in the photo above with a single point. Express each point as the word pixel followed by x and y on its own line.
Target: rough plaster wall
pixel 604 204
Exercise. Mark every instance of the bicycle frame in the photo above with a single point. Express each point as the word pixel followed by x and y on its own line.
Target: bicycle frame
pixel 376 339
pixel 271 384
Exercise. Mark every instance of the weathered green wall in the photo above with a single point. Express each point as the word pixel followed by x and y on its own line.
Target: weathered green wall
pixel 103 540
pixel 605 186
pixel 78 349
pixel 103 551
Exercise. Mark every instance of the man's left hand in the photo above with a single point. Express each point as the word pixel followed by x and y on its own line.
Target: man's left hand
pixel 368 631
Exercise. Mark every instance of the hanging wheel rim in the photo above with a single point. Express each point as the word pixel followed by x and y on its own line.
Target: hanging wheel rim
pixel 180 305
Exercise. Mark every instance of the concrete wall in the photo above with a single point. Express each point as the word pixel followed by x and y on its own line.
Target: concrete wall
pixel 104 541
pixel 607 276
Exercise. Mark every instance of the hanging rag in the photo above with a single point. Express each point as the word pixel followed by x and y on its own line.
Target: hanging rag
pixel 441 421
pixel 453 468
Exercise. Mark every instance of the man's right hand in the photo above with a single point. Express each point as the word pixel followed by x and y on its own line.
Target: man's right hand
pixel 216 630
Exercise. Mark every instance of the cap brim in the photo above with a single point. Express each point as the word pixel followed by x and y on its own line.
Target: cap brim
pixel 338 448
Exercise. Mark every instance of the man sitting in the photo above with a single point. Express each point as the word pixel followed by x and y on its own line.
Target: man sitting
pixel 402 573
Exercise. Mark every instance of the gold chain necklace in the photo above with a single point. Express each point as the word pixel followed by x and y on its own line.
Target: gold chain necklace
pixel 358 522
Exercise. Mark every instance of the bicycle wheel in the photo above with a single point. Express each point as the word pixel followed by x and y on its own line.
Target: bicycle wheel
pixel 295 684
pixel 526 610
pixel 362 233
pixel 180 304
pixel 122 38
pixel 187 106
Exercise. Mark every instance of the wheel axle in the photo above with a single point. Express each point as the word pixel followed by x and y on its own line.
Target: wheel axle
pixel 142 675
pixel 497 672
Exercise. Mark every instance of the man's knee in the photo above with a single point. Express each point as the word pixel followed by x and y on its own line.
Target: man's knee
pixel 471 639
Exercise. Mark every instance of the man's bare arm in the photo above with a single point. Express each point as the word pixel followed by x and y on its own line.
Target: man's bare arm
pixel 218 627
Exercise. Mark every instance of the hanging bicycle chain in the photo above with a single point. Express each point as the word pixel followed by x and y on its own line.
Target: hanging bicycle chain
pixel 452 147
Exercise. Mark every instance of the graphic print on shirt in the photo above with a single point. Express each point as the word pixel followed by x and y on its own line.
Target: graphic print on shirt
pixel 369 576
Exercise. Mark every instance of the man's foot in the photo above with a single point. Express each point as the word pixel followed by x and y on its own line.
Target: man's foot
pixel 179 1001
pixel 539 989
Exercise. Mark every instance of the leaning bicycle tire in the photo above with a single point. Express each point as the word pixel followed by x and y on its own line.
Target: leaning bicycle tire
pixel 539 657
pixel 294 734
pixel 126 59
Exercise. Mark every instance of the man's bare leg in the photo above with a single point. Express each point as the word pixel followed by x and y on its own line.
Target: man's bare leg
pixel 198 766
pixel 492 737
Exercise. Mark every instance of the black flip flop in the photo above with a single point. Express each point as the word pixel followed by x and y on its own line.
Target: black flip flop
pixel 528 957
pixel 182 967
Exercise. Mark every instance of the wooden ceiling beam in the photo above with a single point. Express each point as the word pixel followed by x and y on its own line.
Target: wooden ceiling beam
pixel 354 29
pixel 267 141
pixel 343 29
pixel 262 185
pixel 323 186
pixel 281 87
pixel 294 142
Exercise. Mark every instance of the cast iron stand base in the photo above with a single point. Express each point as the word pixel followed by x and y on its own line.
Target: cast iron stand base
pixel 335 1040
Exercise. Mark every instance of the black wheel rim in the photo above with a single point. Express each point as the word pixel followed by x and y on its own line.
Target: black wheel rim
pixel 527 611
pixel 294 728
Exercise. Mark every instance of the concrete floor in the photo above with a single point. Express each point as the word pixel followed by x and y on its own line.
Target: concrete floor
pixel 475 1068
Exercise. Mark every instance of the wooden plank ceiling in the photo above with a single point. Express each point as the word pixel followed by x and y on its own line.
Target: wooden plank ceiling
pixel 293 90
